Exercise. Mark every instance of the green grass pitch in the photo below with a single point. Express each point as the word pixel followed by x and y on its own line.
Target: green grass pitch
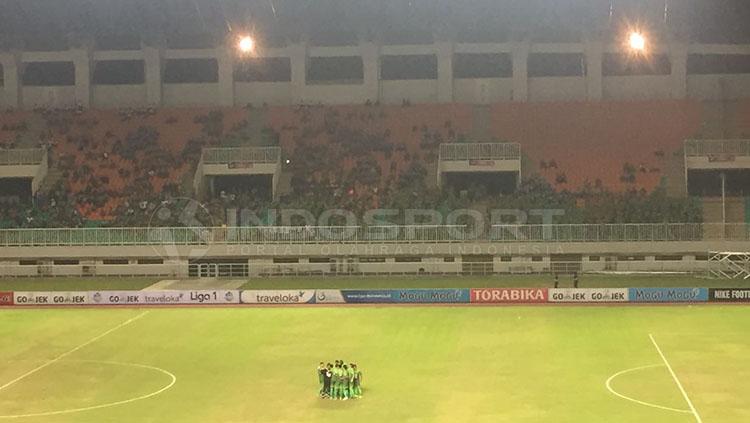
pixel 420 364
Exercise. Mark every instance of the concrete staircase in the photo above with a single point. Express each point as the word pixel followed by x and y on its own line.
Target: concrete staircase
pixel 714 119
pixel 674 174
pixel 480 128
pixel 54 175
pixel 721 119
pixel 735 209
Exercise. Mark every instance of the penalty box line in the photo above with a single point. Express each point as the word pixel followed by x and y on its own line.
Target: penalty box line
pixel 677 381
pixel 69 352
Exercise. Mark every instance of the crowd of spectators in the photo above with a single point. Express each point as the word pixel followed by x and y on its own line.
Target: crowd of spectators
pixel 118 169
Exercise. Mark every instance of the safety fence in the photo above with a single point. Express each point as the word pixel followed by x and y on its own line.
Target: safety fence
pixel 250 155
pixel 539 267
pixel 697 148
pixel 480 151
pixel 410 234
pixel 18 157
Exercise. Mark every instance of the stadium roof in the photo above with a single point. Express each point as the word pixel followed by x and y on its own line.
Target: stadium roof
pixel 28 22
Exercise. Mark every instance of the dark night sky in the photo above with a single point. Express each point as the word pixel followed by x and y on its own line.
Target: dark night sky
pixel 698 20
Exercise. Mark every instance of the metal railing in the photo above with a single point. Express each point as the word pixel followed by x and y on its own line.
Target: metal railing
pixel 626 232
pixel 522 265
pixel 480 151
pixel 646 232
pixel 241 155
pixel 697 148
pixel 504 265
pixel 25 156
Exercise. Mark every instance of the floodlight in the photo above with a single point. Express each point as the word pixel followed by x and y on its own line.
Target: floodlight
pixel 246 44
pixel 637 41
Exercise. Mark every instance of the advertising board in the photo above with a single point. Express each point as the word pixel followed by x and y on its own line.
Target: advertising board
pixel 509 295
pixel 588 295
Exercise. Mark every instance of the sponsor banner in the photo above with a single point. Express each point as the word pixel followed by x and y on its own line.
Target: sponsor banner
pixel 368 296
pixel 431 296
pixel 667 295
pixel 278 297
pixel 588 295
pixel 486 163
pixel 6 298
pixel 220 296
pixel 509 295
pixel 240 165
pixel 712 158
pixel 164 297
pixel 329 296
pixel 406 296
pixel 729 295
pixel 50 298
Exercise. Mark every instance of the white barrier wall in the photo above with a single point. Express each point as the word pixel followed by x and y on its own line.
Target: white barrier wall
pixel 114 96
pixel 483 91
pixel 647 87
pixel 414 91
pixel 446 87
pixel 717 87
pixel 60 97
pixel 258 93
pixel 180 95
pixel 557 88
pixel 352 266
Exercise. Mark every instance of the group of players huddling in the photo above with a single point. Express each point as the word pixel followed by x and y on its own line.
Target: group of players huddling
pixel 340 381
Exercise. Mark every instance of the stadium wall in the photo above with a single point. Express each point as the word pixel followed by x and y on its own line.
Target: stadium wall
pixel 360 259
pixel 444 87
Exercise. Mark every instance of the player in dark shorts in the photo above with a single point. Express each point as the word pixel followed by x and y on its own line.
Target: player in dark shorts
pixel 327 375
pixel 321 377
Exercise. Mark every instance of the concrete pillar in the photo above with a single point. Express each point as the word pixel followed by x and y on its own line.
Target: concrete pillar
pixel 594 51
pixel 83 76
pixel 11 89
pixel 445 71
pixel 298 58
pixel 520 55
pixel 678 54
pixel 225 59
pixel 371 70
pixel 152 57
pixel 275 181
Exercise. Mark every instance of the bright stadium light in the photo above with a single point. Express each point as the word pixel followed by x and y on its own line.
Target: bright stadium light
pixel 246 44
pixel 637 41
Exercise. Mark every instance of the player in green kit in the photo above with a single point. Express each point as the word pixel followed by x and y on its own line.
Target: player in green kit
pixel 357 382
pixel 337 381
pixel 350 380
pixel 345 382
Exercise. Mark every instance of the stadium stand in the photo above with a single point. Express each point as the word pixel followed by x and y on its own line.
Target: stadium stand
pixel 358 120
pixel 116 166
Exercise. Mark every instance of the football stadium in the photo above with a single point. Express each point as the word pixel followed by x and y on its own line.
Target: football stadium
pixel 374 211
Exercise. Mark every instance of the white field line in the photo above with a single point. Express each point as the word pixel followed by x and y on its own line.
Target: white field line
pixel 69 352
pixel 111 404
pixel 608 384
pixel 677 381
